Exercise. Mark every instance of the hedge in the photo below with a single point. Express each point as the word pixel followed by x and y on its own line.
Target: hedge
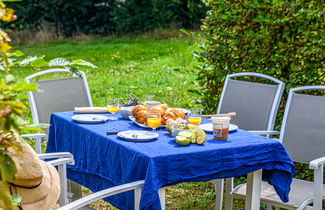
pixel 280 38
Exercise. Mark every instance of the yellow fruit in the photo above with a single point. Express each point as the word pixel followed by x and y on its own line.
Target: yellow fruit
pixel 181 140
pixel 200 136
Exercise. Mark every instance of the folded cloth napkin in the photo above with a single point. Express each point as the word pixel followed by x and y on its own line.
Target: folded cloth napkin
pixel 90 110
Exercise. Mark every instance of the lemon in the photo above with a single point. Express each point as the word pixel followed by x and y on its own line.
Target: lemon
pixel 185 134
pixel 181 140
pixel 191 126
pixel 200 136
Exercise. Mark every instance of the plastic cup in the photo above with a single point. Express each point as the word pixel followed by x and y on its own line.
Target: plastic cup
pixel 220 127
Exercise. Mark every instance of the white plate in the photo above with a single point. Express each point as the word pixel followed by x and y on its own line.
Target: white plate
pixel 143 126
pixel 139 136
pixel 208 127
pixel 90 118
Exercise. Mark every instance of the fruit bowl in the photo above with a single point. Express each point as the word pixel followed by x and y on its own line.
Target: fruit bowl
pixel 126 111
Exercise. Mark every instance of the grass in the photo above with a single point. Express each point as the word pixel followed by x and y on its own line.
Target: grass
pixel 162 67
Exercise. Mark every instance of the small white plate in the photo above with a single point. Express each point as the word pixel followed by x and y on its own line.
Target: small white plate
pixel 143 126
pixel 207 127
pixel 138 136
pixel 90 118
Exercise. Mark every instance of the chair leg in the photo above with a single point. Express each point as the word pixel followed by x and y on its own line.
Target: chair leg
pixel 218 184
pixel 63 200
pixel 38 145
pixel 162 192
pixel 228 196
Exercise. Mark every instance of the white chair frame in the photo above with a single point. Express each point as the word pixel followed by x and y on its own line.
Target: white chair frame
pixel 136 186
pixel 317 165
pixel 219 183
pixel 62 159
pixel 32 100
pixel 275 104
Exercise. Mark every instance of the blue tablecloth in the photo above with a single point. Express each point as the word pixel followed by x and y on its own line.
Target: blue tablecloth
pixel 104 160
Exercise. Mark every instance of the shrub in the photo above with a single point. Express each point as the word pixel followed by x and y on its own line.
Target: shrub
pixel 107 16
pixel 284 39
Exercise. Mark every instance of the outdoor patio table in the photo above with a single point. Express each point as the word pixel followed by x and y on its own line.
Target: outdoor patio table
pixel 102 161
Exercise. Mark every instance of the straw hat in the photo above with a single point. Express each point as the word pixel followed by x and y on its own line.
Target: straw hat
pixel 36 181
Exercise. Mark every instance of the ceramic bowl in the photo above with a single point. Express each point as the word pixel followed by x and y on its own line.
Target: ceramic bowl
pixel 126 111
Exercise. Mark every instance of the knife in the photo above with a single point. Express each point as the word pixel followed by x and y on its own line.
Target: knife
pixel 112 132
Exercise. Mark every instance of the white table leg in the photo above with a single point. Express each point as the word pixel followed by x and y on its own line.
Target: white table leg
pixel 228 196
pixel 137 197
pixel 218 184
pixel 161 193
pixel 253 191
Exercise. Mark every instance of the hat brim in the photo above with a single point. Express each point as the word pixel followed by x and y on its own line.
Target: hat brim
pixel 44 196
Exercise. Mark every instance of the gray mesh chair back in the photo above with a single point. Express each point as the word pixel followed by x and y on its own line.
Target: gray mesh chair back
pixel 256 104
pixel 57 95
pixel 303 127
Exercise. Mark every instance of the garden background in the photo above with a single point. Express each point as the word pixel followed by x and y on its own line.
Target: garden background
pixel 141 47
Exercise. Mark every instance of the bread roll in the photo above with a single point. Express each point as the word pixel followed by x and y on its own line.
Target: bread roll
pixel 141 116
pixel 138 108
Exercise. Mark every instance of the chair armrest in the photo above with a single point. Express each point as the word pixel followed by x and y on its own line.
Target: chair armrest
pixel 57 155
pixel 103 194
pixel 62 161
pixel 34 135
pixel 314 164
pixel 42 125
pixel 38 140
pixel 266 132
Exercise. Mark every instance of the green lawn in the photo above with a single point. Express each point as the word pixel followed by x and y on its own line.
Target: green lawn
pixel 130 65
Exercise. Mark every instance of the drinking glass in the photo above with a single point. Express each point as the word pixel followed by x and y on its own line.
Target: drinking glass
pixel 113 105
pixel 153 119
pixel 195 116
pixel 147 98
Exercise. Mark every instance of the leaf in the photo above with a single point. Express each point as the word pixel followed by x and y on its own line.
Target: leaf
pixel 39 62
pixel 83 63
pixel 27 60
pixel 16 199
pixel 8 167
pixel 59 62
pixel 17 53
pixel 5 199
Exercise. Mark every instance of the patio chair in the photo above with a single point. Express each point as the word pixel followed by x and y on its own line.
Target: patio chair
pixel 256 105
pixel 303 135
pixel 56 95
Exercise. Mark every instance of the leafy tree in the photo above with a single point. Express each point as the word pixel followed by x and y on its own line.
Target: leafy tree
pixel 107 16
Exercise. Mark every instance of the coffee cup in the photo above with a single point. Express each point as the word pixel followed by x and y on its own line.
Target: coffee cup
pixel 220 127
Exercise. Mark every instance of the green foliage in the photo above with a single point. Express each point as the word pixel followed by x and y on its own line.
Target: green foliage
pixel 284 39
pixel 106 16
